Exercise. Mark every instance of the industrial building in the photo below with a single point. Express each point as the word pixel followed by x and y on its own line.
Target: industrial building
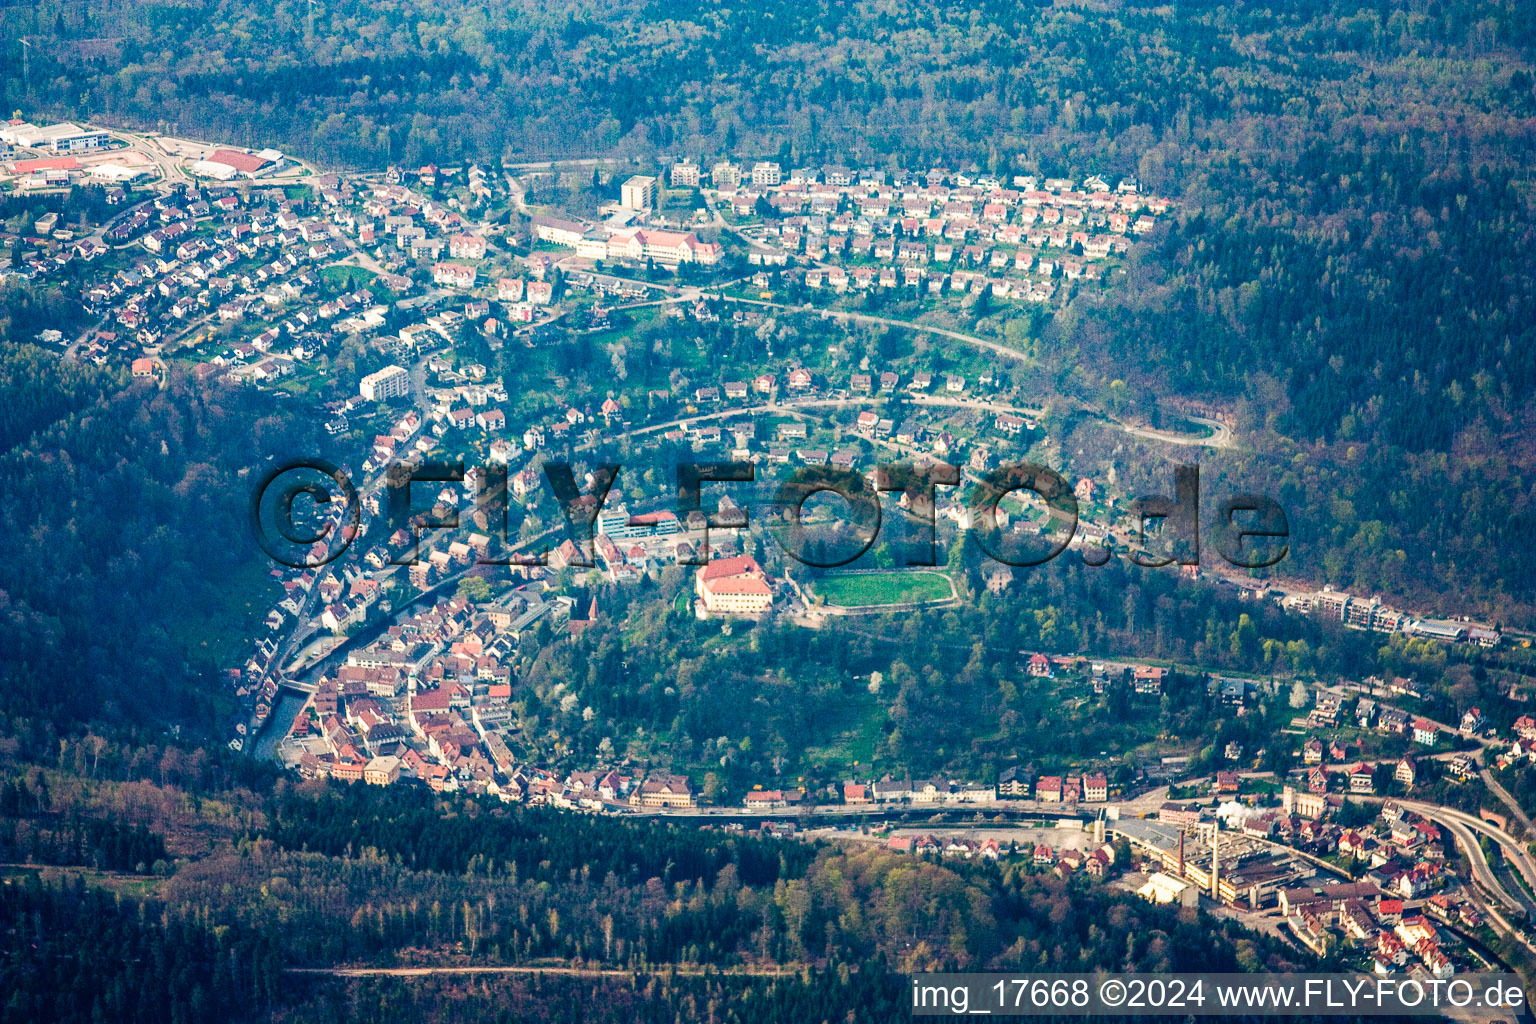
pixel 55 138
pixel 1234 868
pixel 224 164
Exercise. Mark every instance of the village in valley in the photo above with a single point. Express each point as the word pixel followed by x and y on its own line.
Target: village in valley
pixel 1345 848
pixel 226 264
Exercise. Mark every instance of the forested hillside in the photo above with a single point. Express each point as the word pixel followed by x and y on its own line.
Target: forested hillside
pixel 1114 87
pixel 131 578
pixel 945 691
pixel 72 955
pixel 319 875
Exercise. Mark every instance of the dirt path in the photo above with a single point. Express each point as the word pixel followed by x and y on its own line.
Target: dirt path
pixel 687 970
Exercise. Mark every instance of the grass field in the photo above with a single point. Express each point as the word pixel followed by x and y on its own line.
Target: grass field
pixel 347 277
pixel 848 735
pixel 895 587
pixel 132 886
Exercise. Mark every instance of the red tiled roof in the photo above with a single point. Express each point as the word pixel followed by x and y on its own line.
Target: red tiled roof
pixel 246 163
pixel 721 568
pixel 737 585
pixel 430 700
pixel 52 163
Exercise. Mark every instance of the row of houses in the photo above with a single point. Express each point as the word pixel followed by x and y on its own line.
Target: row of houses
pixel 1390 935
pixel 1372 614
pixel 984 225
pixel 962 282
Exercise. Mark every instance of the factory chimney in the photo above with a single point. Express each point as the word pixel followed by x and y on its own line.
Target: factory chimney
pixel 1216 861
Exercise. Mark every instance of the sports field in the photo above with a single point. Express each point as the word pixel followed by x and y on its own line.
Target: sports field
pixel 898 586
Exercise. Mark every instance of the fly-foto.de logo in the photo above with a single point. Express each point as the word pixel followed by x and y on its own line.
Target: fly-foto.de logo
pixel 1249 531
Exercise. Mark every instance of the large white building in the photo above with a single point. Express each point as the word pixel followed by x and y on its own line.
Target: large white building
pixel 390 382
pixel 685 174
pixel 557 231
pixel 766 173
pixel 638 193
pixel 663 247
pixel 57 138
pixel 224 164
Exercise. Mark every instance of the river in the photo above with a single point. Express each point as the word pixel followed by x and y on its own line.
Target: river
pixel 289 702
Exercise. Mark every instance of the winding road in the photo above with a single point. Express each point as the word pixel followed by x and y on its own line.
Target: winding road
pixel 1220 437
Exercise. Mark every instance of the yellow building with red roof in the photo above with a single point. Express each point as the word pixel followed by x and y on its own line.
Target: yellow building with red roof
pixel 734 586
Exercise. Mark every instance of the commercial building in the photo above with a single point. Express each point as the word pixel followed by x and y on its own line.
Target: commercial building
pixel 1439 629
pixel 615 521
pixel 1162 888
pixel 390 382
pixel 80 140
pixel 57 138
pixel 224 164
pixel 117 173
pixel 43 165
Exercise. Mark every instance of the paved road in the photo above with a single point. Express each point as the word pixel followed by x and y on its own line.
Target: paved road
pixel 1482 871
pixel 590 161
pixel 166 164
pixel 354 251
pixel 306 624
pixel 1145 803
pixel 1483 744
pixel 1465 829
pixel 1221 434
pixel 1514 851
pixel 794 406
pixel 1220 437
pixel 1504 795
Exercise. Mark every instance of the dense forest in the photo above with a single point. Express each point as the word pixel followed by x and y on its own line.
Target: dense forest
pixel 74 955
pixel 1118 88
pixel 110 489
pixel 321 874
pixel 129 492
pixel 854 995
